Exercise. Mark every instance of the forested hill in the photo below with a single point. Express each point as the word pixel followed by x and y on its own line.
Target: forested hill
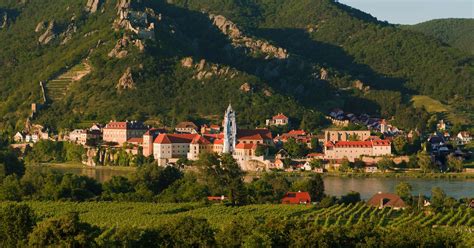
pixel 169 61
pixel 458 33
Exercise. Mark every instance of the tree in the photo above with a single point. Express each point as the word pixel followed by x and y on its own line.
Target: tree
pixel 345 165
pixel 354 137
pixel 400 144
pixel 189 232
pixel 424 161
pixel 404 189
pixel 314 185
pixel 186 189
pixel 455 164
pixel 385 163
pixel 155 178
pixel 315 147
pixel 295 149
pixel 11 189
pixel 10 164
pixel 261 150
pixel 16 222
pixel 63 231
pixel 351 197
pixel 437 197
pixel 316 163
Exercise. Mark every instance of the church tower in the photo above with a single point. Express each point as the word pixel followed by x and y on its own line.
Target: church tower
pixel 230 130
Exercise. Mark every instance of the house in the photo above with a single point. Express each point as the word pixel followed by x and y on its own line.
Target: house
pixel 442 126
pixel 307 166
pixel 259 136
pixel 471 204
pixel 352 150
pixel 148 139
pixel 464 137
pixel 213 129
pixel 319 170
pixel 121 132
pixel 81 136
pixel 282 154
pixel 314 155
pixel 300 136
pixel 382 200
pixel 186 127
pixel 279 164
pixel 296 198
pixel 371 169
pixel 278 120
pixel 19 137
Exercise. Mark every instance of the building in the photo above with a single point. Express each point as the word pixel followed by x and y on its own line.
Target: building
pixel 464 137
pixel 186 127
pixel 296 198
pixel 148 139
pixel 259 136
pixel 81 136
pixel 278 120
pixel 352 150
pixel 171 147
pixel 442 126
pixel 19 137
pixel 382 200
pixel 341 135
pixel 230 130
pixel 121 132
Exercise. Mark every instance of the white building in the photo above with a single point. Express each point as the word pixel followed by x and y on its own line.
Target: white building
pixel 352 150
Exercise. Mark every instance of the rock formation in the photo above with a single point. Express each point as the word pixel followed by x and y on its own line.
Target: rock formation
pixel 70 31
pixel 3 19
pixel 187 62
pixel 120 49
pixel 324 74
pixel 245 87
pixel 255 46
pixel 49 34
pixel 360 86
pixel 206 70
pixel 40 26
pixel 92 6
pixel 126 81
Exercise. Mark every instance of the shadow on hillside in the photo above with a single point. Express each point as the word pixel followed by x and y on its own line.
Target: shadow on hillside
pixel 289 77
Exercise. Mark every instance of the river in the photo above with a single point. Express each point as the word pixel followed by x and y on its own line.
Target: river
pixel 337 186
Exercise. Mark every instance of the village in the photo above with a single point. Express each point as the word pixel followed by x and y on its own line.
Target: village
pixel 335 149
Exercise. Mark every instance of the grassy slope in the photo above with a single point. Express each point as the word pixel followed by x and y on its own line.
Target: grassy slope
pixel 457 33
pixel 434 106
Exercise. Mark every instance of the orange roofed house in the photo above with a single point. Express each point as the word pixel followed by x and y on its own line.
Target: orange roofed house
pixel 121 132
pixel 278 120
pixel 296 198
pixel 382 200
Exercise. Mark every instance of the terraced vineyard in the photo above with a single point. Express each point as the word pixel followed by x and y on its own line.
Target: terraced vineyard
pixel 57 88
pixel 106 214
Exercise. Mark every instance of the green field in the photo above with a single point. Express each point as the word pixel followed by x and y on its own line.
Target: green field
pixel 126 214
pixel 434 106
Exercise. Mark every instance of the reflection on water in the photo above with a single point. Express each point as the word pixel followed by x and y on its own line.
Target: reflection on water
pixel 99 174
pixel 334 185
pixel 369 186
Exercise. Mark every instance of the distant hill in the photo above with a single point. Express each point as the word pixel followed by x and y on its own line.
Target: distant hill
pixel 458 33
pixel 169 61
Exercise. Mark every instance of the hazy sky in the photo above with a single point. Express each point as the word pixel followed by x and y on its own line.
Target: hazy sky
pixel 414 11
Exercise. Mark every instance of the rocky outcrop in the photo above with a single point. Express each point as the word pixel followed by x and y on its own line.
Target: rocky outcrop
pixel 267 92
pixel 69 32
pixel 324 74
pixel 41 26
pixel 120 49
pixel 4 19
pixel 126 81
pixel 360 86
pixel 239 40
pixel 92 6
pixel 137 22
pixel 206 70
pixel 49 35
pixel 246 87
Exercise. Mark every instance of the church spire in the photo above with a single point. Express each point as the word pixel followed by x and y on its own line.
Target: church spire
pixel 230 130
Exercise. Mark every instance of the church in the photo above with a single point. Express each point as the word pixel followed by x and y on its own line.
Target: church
pixel 241 143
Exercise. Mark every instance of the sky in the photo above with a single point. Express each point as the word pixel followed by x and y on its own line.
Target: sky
pixel 414 11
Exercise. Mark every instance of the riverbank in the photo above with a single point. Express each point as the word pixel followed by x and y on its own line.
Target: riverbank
pixel 411 174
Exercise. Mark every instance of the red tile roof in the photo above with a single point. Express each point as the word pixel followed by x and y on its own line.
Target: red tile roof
pixel 297 132
pixel 280 116
pixel 359 144
pixel 246 146
pixel 175 138
pixel 254 134
pixel 386 200
pixel 186 124
pixel 154 131
pixel 296 198
pixel 315 155
pixel 200 140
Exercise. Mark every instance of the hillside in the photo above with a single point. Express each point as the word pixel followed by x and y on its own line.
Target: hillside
pixel 457 33
pixel 154 60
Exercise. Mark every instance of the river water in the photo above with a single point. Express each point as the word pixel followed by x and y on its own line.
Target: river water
pixel 337 186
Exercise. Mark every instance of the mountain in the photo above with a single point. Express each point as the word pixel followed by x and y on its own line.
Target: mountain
pixel 457 33
pixel 167 61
